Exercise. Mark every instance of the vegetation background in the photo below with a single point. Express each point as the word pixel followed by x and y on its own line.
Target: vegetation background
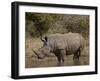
pixel 41 24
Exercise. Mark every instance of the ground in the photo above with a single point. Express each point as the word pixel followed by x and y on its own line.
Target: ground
pixel 31 61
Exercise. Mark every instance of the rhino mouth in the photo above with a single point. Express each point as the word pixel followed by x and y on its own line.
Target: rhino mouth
pixel 40 57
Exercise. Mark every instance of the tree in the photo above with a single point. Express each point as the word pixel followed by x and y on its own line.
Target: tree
pixel 42 21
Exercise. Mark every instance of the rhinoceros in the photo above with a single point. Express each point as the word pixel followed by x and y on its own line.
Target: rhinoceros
pixel 61 45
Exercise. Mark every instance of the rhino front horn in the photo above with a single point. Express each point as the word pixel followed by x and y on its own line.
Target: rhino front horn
pixel 35 52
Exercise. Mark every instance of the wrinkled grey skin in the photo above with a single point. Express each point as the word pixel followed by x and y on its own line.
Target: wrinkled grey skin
pixel 61 45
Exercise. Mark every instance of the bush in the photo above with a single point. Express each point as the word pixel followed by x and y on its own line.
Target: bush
pixel 38 24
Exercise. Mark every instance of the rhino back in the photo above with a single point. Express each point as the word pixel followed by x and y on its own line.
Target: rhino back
pixel 71 42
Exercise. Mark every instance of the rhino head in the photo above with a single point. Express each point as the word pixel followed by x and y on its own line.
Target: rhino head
pixel 44 51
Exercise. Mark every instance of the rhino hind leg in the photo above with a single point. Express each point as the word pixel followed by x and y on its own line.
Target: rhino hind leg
pixel 77 54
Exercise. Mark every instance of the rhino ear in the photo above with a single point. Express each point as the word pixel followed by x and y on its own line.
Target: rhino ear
pixel 44 39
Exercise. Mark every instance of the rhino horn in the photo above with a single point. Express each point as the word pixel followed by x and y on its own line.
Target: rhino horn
pixel 35 52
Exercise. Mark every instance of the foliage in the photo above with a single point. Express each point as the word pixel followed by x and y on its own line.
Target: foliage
pixel 42 22
pixel 38 24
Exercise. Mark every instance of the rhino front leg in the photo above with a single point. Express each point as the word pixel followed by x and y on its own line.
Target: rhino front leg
pixel 62 53
pixel 59 59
